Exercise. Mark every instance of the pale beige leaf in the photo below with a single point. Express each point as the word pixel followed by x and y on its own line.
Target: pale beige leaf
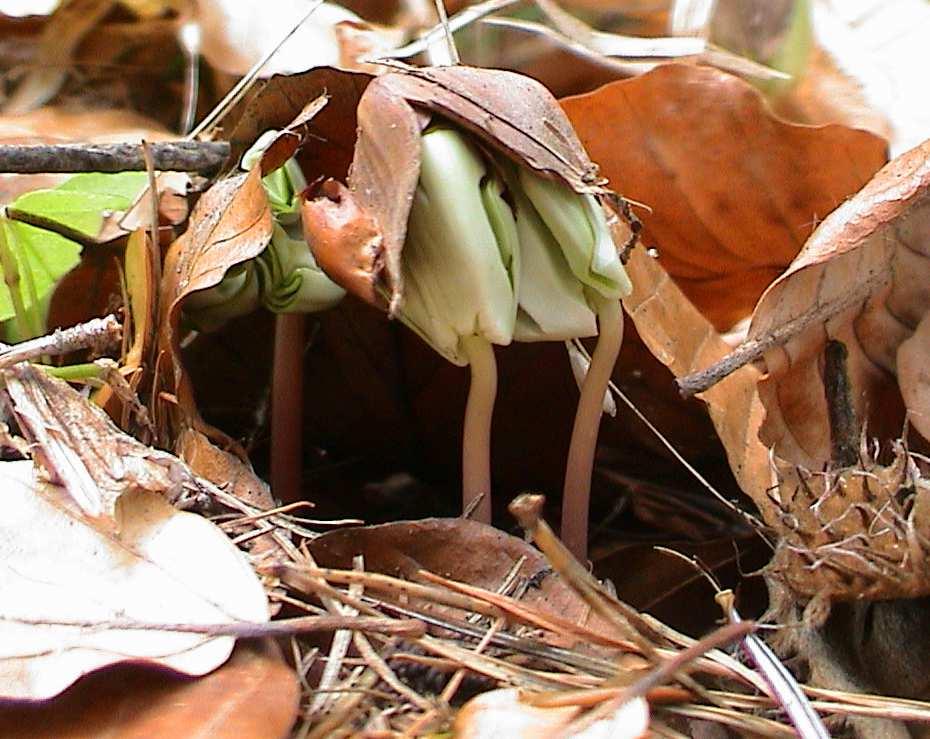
pixel 162 566
pixel 238 33
pixel 504 714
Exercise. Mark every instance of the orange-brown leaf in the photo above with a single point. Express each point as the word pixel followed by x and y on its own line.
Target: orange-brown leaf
pixel 231 224
pixel 733 191
pixel 253 696
pixel 870 255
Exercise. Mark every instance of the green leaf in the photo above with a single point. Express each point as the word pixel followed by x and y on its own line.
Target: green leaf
pixel 80 205
pixel 45 255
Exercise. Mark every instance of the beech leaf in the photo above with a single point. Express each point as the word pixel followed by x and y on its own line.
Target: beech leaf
pixel 253 696
pixel 733 191
pixel 861 279
pixel 231 223
pixel 163 566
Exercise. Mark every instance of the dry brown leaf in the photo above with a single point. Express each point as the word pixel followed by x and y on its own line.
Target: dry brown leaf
pixel 83 451
pixel 91 289
pixel 172 189
pixel 456 548
pixel 824 94
pixel 230 224
pixel 680 337
pixel 253 696
pixel 860 282
pixel 508 112
pixel 293 136
pixel 162 566
pixel 279 102
pixel 733 191
pixel 869 256
pixel 141 288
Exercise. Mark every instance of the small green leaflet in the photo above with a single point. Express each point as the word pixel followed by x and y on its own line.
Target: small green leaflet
pixel 45 255
pixel 80 206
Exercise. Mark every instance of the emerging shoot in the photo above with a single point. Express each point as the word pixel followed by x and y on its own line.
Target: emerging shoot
pixel 459 267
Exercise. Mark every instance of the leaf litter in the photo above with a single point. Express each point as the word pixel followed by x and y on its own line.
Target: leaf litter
pixel 395 627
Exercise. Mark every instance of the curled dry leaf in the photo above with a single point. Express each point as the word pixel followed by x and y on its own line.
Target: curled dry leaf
pixel 509 113
pixel 62 575
pixel 81 450
pixel 733 191
pixel 139 265
pixel 861 281
pixel 230 224
pixel 871 256
pixel 278 104
pixel 253 696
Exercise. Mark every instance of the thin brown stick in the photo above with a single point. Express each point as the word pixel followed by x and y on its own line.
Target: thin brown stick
pixel 246 629
pixel 206 157
pixel 753 349
pixel 98 334
pixel 527 509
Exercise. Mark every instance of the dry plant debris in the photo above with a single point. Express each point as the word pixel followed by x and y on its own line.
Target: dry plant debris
pixel 777 270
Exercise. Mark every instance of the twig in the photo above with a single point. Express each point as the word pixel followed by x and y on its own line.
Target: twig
pixel 527 509
pixel 753 349
pixel 98 334
pixel 205 157
pixel 664 672
pixel 246 629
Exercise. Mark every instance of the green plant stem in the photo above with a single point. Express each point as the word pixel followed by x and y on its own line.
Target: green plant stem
pixel 476 442
pixel 12 280
pixel 73 372
pixel 576 495
pixel 287 407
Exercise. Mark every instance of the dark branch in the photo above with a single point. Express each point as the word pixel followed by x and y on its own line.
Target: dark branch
pixel 205 157
pixel 844 424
